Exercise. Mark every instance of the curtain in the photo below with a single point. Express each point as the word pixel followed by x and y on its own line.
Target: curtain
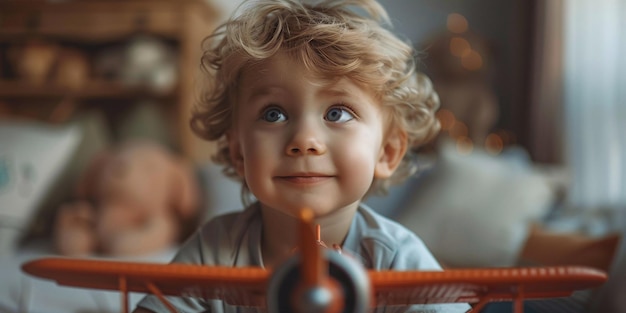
pixel 594 102
pixel 546 86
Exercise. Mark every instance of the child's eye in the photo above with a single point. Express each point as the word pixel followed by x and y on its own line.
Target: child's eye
pixel 274 115
pixel 339 115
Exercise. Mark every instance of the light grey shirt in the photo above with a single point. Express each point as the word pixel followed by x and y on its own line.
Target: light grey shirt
pixel 235 240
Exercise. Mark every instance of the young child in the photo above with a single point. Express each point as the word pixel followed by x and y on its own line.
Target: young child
pixel 314 106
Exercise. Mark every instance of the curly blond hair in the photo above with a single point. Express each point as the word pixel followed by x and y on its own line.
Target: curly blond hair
pixel 331 39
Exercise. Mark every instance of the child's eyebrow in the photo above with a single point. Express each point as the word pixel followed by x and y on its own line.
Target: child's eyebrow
pixel 261 91
pixel 333 92
pixel 340 90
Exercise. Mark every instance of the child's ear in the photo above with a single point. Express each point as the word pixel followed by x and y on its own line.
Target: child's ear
pixel 236 157
pixel 391 154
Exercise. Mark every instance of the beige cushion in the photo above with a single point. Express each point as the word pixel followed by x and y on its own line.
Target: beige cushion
pixel 475 210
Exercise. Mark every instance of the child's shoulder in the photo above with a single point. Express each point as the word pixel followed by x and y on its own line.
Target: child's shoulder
pixel 231 222
pixel 222 240
pixel 372 224
pixel 382 243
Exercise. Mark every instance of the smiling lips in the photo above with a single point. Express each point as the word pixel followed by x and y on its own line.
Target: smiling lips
pixel 305 178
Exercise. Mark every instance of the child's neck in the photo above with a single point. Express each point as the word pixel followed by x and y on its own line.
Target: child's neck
pixel 280 231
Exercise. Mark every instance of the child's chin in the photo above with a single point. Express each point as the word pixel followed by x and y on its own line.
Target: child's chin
pixel 295 210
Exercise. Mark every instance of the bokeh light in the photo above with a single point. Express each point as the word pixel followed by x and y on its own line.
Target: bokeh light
pixel 458 130
pixel 472 61
pixel 459 46
pixel 464 145
pixel 508 138
pixel 494 144
pixel 457 23
pixel 446 119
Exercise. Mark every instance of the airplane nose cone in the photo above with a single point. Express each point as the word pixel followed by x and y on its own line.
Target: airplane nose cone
pixel 319 299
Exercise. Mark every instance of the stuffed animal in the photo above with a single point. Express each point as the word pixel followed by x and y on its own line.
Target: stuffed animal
pixel 143 61
pixel 131 200
pixel 39 62
pixel 33 60
pixel 71 69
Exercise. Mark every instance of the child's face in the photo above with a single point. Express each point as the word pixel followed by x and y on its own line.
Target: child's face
pixel 299 141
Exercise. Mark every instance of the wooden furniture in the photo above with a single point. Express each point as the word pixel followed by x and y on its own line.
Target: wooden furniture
pixel 94 24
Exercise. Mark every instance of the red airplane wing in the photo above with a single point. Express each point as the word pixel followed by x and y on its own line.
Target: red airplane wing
pixel 481 286
pixel 243 286
pixel 248 286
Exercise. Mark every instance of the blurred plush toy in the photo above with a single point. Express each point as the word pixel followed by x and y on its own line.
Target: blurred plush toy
pixel 143 61
pixel 32 61
pixel 39 62
pixel 132 200
pixel 71 69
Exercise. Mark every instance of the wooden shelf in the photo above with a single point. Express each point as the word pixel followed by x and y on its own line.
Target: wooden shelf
pixel 92 25
pixel 91 90
pixel 90 20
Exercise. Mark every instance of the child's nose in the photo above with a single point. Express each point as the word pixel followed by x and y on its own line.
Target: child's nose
pixel 306 140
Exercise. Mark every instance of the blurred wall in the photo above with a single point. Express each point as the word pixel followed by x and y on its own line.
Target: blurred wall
pixel 505 25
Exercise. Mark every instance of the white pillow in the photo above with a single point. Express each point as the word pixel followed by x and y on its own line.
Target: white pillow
pixel 32 156
pixel 475 210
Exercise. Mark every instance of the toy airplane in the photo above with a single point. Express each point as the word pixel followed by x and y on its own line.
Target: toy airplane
pixel 318 280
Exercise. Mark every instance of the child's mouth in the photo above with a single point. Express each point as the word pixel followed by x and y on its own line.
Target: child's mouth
pixel 305 179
